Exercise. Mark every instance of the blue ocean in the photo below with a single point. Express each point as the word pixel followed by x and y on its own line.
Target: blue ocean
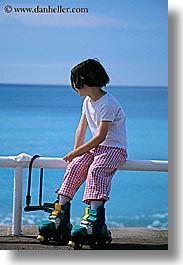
pixel 40 119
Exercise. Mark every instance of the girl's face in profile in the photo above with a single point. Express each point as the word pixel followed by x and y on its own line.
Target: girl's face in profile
pixel 82 91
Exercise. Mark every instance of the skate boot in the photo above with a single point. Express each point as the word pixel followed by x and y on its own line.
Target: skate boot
pixel 58 227
pixel 92 230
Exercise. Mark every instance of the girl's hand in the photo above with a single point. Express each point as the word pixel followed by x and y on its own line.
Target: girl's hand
pixel 69 157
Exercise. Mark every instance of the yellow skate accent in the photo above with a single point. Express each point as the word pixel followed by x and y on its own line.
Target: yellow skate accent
pixel 87 210
pixel 85 217
pixel 86 214
pixel 58 206
pixel 71 244
pixel 40 238
pixel 55 212
pixel 57 209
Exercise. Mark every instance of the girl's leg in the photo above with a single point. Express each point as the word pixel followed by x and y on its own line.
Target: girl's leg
pixel 75 175
pixel 59 220
pixel 63 199
pixel 92 227
pixel 98 183
pixel 94 204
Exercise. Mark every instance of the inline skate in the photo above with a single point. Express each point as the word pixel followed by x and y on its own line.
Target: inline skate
pixel 58 226
pixel 92 230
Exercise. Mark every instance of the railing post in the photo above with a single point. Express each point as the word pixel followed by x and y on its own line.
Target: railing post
pixel 17 201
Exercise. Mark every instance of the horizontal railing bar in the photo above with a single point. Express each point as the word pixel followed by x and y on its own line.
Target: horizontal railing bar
pixel 145 165
pixel 49 162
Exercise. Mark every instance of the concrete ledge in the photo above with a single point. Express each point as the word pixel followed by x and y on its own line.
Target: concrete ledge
pixel 123 239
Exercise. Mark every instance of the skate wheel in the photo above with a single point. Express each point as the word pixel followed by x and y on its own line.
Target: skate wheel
pixel 71 244
pixel 74 245
pixel 40 238
pixel 63 238
pixel 43 240
pixel 78 246
pixel 94 245
pixel 99 242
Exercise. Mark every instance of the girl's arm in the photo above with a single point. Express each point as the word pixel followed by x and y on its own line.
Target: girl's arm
pixel 81 131
pixel 94 142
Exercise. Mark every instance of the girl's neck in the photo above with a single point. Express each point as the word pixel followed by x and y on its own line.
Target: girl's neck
pixel 96 93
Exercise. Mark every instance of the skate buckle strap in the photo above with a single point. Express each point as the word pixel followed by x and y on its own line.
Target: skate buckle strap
pixel 86 214
pixel 57 210
pixel 90 215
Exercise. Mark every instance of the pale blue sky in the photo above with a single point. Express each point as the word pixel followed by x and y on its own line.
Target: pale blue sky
pixel 130 38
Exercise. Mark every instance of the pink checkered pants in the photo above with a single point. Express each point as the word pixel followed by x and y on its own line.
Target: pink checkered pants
pixel 97 167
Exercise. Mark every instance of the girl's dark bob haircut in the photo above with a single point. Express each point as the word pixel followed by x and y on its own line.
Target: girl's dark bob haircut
pixel 90 73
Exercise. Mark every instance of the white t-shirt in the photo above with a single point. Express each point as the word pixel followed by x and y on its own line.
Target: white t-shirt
pixel 107 108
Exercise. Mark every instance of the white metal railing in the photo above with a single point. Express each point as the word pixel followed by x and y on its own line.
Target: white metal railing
pixel 48 162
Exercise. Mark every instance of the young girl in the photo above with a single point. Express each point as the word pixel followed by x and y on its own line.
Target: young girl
pixel 97 160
